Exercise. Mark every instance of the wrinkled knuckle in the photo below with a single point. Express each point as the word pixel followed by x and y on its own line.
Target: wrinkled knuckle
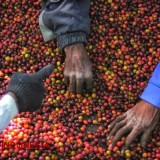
pixel 79 76
pixel 139 128
pixel 116 126
pixel 130 113
pixel 118 118
pixel 71 74
pixel 89 75
pixel 65 73
pixel 111 125
pixel 129 125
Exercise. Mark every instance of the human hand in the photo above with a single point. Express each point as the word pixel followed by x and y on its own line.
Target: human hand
pixel 142 118
pixel 29 88
pixel 77 69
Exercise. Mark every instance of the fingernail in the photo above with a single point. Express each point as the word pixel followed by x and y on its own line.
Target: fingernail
pixel 109 126
pixel 108 137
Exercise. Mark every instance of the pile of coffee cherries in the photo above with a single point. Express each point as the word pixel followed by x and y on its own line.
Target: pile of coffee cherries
pixel 124 49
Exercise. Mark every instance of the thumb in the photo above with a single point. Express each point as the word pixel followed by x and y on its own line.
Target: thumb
pixel 43 73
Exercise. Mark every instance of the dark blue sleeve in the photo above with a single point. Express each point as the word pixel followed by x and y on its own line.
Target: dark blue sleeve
pixel 66 20
pixel 151 93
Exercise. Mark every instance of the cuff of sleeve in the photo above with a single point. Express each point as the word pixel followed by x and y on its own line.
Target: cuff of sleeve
pixel 151 94
pixel 71 38
pixel 11 105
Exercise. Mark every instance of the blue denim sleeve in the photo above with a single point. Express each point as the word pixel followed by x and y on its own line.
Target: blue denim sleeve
pixel 66 20
pixel 151 93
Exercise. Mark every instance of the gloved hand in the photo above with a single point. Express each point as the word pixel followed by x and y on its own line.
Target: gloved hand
pixel 142 118
pixel 29 88
pixel 77 69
